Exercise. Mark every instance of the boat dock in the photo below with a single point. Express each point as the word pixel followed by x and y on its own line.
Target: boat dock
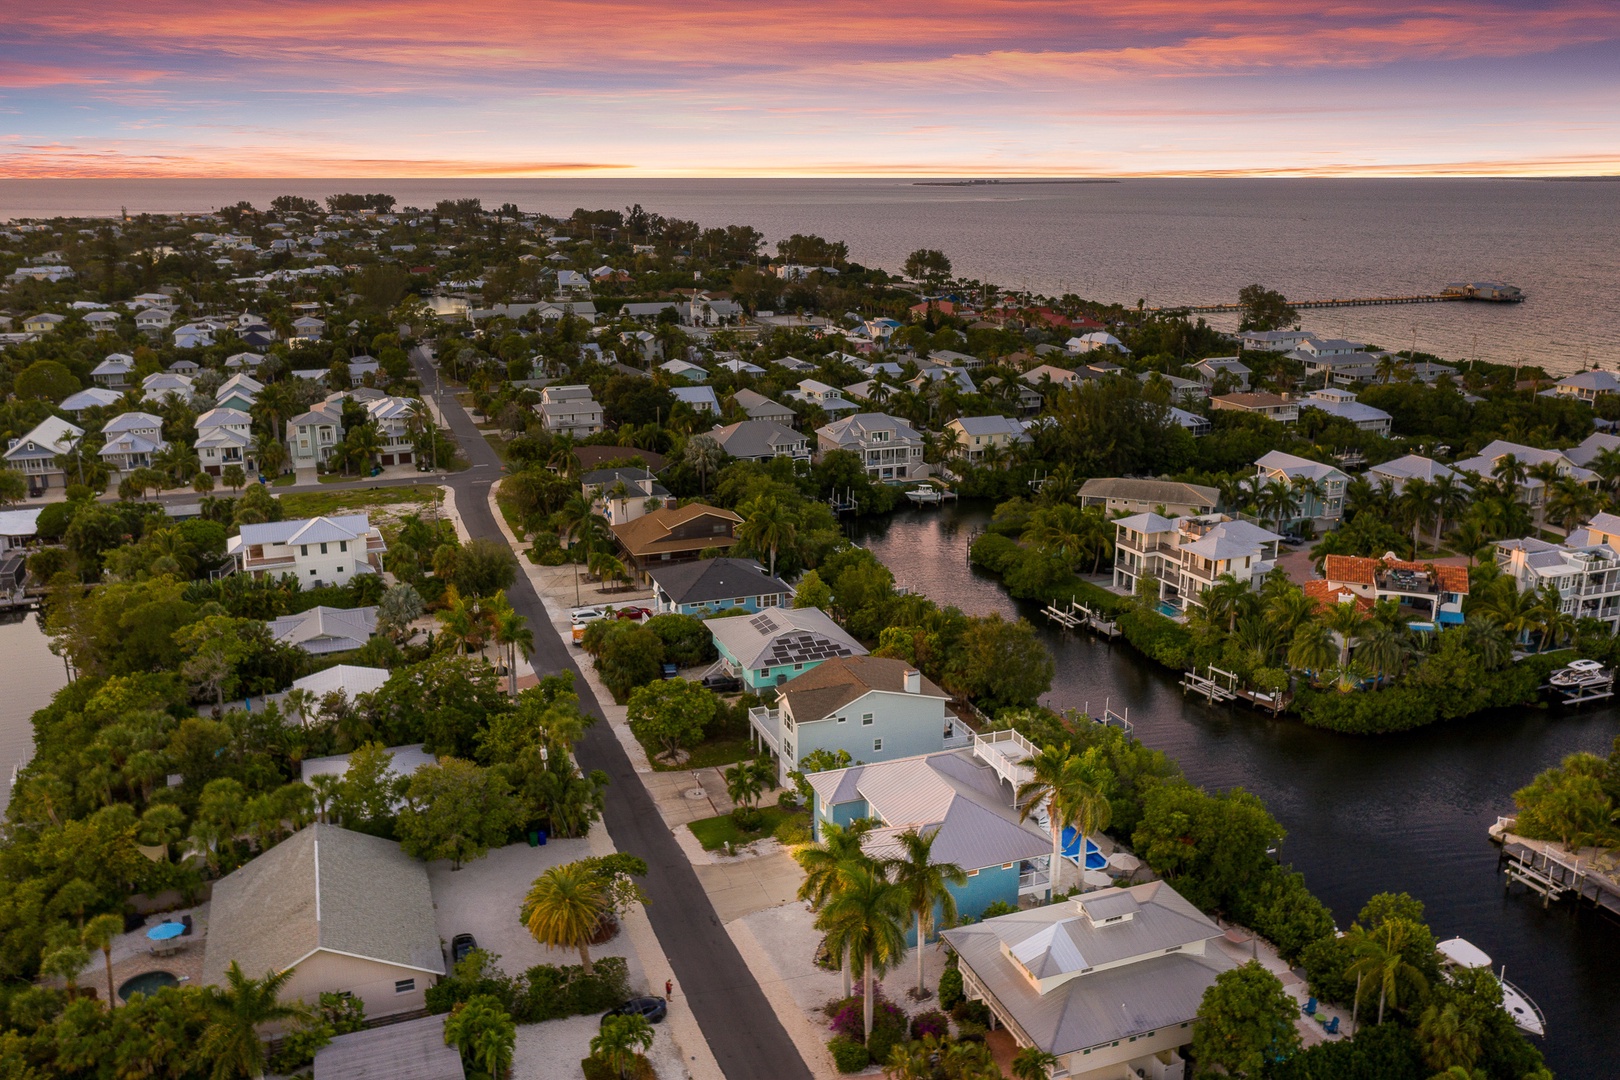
pixel 1078 616
pixel 1581 682
pixel 1552 873
pixel 1500 295
pixel 1222 686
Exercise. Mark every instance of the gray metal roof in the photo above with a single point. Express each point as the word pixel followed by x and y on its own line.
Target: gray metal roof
pixel 282 532
pixel 784 636
pixel 716 579
pixel 1167 492
pixel 414 1050
pixel 757 438
pixel 326 629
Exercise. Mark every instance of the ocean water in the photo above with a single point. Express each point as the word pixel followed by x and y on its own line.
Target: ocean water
pixel 1164 242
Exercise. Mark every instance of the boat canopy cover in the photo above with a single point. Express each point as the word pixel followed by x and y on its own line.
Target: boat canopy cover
pixel 1464 953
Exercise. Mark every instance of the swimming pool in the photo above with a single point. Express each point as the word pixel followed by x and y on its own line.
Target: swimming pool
pixel 1167 609
pixel 149 982
pixel 1095 859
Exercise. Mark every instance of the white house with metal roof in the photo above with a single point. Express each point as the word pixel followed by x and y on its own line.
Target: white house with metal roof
pixel 35 454
pixel 17 527
pixel 1319 487
pixel 322 630
pixel 761 440
pixel 1110 981
pixel 1187 555
pixel 760 407
pixel 318 551
pixel 1343 404
pixel 768 649
pixel 1411 467
pixel 1531 491
pixel 349 680
pixel 93 397
pixel 889 448
pixel 1588 385
pixel 132 439
pixel 114 371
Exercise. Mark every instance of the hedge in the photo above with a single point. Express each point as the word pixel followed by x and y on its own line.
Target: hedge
pixel 1407 705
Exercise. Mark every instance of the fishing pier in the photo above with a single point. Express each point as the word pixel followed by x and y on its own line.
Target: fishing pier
pixel 1486 292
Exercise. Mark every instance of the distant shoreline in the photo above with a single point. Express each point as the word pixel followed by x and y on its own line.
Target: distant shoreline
pixel 1002 183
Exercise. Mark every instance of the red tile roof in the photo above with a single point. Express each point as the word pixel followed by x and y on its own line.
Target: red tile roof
pixel 1359 570
pixel 1327 593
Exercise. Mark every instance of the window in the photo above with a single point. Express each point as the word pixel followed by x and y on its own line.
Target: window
pixel 1006 866
pixel 303 549
pixel 841 719
pixel 404 986
pixel 323 549
pixel 866 719
pixel 798 667
pixel 764 673
pixel 312 573
pixel 877 745
pixel 972 873
pixel 343 545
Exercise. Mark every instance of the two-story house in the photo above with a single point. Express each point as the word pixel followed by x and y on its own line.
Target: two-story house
pixel 569 410
pixel 1208 370
pixel 1110 982
pixel 778 644
pixel 1188 555
pixel 1131 495
pixel 393 417
pixel 1318 487
pixel 1584 570
pixel 676 534
pixel 1532 491
pixel 889 448
pixel 1278 407
pixel 161 384
pixel 1427 592
pixel 114 371
pixel 224 438
pixel 1272 340
pixel 760 407
pixel 873 708
pixel 1588 386
pixel 979 436
pixel 829 399
pixel 132 439
pixel 312 435
pixel 709 585
pixel 239 392
pixel 35 454
pixel 956 797
pixel 1342 403
pixel 317 551
pixel 623 493
pixel 761 440
pixel 1402 470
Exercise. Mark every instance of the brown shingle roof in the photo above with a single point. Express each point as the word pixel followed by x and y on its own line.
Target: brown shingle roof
pixel 650 533
pixel 835 683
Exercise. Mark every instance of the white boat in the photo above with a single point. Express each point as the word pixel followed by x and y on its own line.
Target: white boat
pixel 1581 673
pixel 1460 953
pixel 925 494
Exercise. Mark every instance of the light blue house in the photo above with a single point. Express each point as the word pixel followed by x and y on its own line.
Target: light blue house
pixel 779 644
pixel 961 797
pixel 709 585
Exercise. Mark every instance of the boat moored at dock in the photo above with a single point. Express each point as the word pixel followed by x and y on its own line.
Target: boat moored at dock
pixel 1460 953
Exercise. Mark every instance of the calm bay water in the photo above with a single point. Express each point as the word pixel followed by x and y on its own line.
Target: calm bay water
pixel 32 674
pixel 1161 241
pixel 1398 813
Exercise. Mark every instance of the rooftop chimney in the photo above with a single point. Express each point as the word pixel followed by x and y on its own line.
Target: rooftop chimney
pixel 913 682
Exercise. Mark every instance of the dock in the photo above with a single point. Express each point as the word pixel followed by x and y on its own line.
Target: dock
pixel 1349 302
pixel 1597 688
pixel 1222 686
pixel 1552 873
pixel 1078 616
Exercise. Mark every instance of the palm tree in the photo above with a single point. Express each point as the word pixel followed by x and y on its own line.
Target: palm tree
pixel 1312 649
pixel 1384 648
pixel 1380 959
pixel 511 632
pixel 562 455
pixel 270 454
pixel 481 1029
pixel 620 1040
pixel 1547 473
pixel 769 526
pixel 1510 475
pixel 231 1040
pixel 1487 641
pixel 1469 539
pixel 1278 499
pixel 1570 502
pixel 1515 611
pixel 1347 623
pixel 1556 624
pixel 1066 783
pixel 1451 1040
pixel 744 784
pixel 1607 466
pixel 1033 1063
pixel 1290 609
pixel 364 442
pixel 1226 597
pixel 1451 498
pixel 863 919
pixel 463 623
pixel 1416 503
pixel 827 867
pixel 1058 530
pixel 926 884
pixel 704 454
pixel 99 933
pixel 564 907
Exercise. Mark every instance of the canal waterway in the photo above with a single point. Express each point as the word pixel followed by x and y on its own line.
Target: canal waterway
pixel 29 674
pixel 1398 813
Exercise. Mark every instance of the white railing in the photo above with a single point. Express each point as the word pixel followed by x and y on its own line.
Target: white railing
pixel 1006 752
pixel 957 742
pixel 768 722
pixel 1034 881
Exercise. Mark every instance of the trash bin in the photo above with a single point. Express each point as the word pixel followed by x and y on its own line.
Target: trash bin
pixel 541 833
pixel 534 838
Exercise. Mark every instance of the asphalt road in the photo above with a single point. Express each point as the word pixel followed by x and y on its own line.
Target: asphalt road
pixel 742 1029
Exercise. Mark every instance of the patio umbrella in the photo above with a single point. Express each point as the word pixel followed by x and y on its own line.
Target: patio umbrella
pixel 1124 860
pixel 1097 879
pixel 165 931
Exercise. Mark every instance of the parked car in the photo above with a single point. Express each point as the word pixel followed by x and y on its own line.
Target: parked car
pixel 460 946
pixel 671 670
pixel 721 683
pixel 636 613
pixel 653 1009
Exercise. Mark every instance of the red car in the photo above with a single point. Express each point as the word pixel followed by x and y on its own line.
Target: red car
pixel 636 613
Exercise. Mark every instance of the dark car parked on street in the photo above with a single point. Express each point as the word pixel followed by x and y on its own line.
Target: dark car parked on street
pixel 722 683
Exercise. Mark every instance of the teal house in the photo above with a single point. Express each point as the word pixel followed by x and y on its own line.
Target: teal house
pixel 778 644
pixel 960 796
pixel 708 585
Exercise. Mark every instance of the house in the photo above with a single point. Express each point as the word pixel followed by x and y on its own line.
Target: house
pixel 1588 385
pixel 1027 398
pixel 760 407
pixel 243 361
pixel 1278 407
pixel 1212 368
pixel 411 1050
pixel 17 527
pixel 768 649
pixel 676 534
pixel 1109 982
pixel 1411 467
pixel 34 455
pixel 1272 340
pixel 194 336
pixel 701 398
pixel 1532 491
pixel 317 551
pixel 1590 447
pixel 951 359
pixel 1187 391
pixel 680 369
pixel 873 708
pixel 1343 404
pixel 132 439
pixel 347 680
pixel 624 493
pixel 42 323
pixel 1097 339
pixel 323 630
pixel 598 457
pixel 1196 424
pixel 153 320
pixel 1187 555
pixel 308 328
pixel 958 796
pixel 982 435
pixel 1584 571
pixel 361 367
pixel 345 912
pixel 114 371
pixel 1130 495
pixel 95 397
pixel 402 764
pixel 395 419
pixel 569 410
pixel 224 438
pixel 1426 591
pixel 829 399
pixel 710 585
pixel 1046 375
pixel 1325 502
pixel 160 385
pixel 312 435
pixel 184 367
pixel 1335 366
pixel 240 391
pixel 761 440
pixel 890 449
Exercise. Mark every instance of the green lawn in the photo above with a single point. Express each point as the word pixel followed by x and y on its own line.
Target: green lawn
pixel 705 755
pixel 714 833
pixel 302 504
pixel 285 480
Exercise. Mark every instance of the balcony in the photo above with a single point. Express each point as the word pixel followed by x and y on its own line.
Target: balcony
pixel 1006 752
pixel 768 724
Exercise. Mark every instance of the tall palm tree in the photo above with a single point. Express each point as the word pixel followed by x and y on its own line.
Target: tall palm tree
pixel 827 867
pixel 1313 648
pixel 1380 960
pixel 1570 502
pixel 99 933
pixel 464 623
pixel 1415 506
pixel 564 907
pixel 1057 530
pixel 1278 499
pixel 1556 624
pixel 769 526
pixel 927 886
pixel 1607 466
pixel 231 1040
pixel 864 919
pixel 1067 785
pixel 1515 611
pixel 1510 474
pixel 1469 538
pixel 1547 473
pixel 1385 649
pixel 1486 640
pixel 1225 599
pixel 511 632
pixel 1033 1063
pixel 1451 498
pixel 364 442
pixel 705 456
pixel 1289 610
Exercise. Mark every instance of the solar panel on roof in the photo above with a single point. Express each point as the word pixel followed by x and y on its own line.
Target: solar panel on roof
pixel 764 623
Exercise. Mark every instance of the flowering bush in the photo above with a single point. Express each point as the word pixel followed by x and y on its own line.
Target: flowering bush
pixel 933 1022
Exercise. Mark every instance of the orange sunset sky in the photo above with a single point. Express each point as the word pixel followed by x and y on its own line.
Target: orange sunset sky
pixel 712 88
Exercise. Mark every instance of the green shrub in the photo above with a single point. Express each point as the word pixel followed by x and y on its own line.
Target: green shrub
pixel 849 1055
pixel 597 1069
pixel 544 992
pixel 971 1030
pixel 793 831
pixel 1000 907
pixel 687 641
pixel 747 818
pixel 970 1012
pixel 882 1041
pixel 950 988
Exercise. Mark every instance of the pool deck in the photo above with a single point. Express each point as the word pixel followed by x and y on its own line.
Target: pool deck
pixel 132 954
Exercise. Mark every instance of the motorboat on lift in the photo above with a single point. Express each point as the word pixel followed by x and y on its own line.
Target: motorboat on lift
pixel 1459 953
pixel 925 495
pixel 1579 675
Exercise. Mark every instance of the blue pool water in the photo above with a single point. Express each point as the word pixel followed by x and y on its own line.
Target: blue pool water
pixel 1167 609
pixel 149 983
pixel 1071 849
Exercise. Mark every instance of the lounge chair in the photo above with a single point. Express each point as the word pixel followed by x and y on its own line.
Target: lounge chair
pixel 185 921
pixel 1309 1008
pixel 1333 1027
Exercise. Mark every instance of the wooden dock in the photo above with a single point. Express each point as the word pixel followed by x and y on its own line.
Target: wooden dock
pixel 1216 685
pixel 1553 874
pixel 1348 302
pixel 1078 616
